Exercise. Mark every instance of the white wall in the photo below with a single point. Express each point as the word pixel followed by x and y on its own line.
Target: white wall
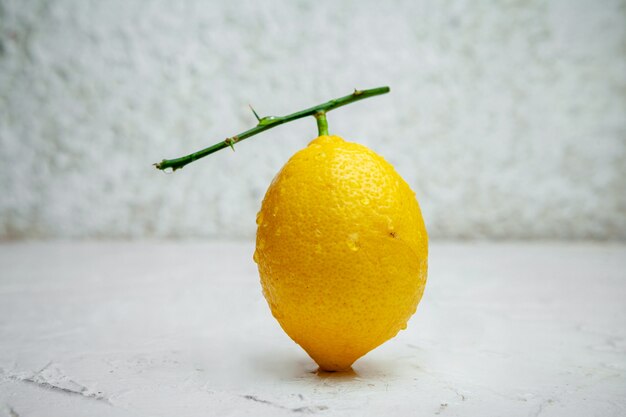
pixel 507 118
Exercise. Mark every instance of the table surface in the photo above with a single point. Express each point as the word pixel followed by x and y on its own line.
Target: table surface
pixel 181 329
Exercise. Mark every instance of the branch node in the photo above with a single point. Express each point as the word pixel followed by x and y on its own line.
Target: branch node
pixel 267 120
pixel 231 142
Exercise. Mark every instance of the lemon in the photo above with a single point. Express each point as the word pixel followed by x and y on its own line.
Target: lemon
pixel 341 250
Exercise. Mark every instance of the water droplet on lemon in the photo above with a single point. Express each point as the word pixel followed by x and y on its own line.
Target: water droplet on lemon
pixel 353 242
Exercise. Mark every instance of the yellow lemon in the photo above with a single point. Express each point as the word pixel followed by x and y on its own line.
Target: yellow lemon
pixel 342 251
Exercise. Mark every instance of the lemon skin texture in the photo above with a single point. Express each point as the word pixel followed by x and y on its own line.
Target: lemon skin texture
pixel 342 251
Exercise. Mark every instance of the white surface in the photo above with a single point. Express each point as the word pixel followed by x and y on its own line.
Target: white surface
pixel 506 118
pixel 181 329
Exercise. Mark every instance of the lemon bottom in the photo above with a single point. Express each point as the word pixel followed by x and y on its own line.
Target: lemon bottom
pixel 342 251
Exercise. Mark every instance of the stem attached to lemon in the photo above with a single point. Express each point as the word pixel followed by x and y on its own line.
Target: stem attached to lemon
pixel 322 123
pixel 269 122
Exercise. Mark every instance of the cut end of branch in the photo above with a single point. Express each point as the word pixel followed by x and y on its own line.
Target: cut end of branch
pixel 166 165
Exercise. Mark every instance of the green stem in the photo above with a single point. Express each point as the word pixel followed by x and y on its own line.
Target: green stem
pixel 266 123
pixel 322 123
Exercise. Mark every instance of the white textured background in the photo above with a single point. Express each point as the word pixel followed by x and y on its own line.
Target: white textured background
pixel 507 118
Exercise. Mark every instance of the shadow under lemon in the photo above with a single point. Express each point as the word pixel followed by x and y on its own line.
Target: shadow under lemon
pixel 289 366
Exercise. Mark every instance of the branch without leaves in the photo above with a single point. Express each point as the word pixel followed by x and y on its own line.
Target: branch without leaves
pixel 265 123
